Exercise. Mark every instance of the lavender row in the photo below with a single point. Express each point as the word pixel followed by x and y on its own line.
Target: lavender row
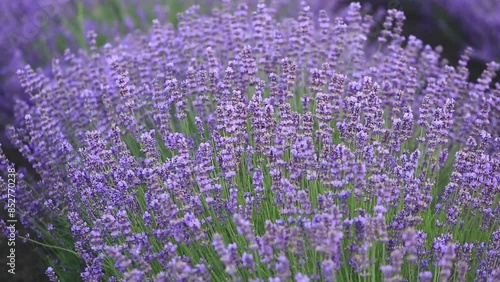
pixel 246 148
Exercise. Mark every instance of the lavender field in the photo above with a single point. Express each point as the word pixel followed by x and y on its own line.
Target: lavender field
pixel 248 141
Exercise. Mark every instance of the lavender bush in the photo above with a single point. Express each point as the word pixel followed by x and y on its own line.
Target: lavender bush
pixel 239 147
pixel 478 20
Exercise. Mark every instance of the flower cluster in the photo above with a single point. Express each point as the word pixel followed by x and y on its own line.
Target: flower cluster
pixel 21 23
pixel 32 32
pixel 243 147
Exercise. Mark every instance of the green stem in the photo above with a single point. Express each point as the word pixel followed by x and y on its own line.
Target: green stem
pixel 49 246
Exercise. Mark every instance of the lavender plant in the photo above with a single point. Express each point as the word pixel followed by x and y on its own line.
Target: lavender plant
pixel 21 28
pixel 245 148
pixel 34 32
pixel 477 19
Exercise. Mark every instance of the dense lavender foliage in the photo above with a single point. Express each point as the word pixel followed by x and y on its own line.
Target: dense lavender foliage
pixel 33 32
pixel 244 148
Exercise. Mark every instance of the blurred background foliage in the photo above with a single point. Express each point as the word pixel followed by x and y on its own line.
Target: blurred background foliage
pixel 33 32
